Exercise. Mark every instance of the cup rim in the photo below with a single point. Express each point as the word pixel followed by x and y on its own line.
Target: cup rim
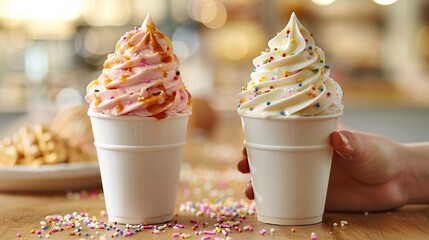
pixel 133 118
pixel 293 117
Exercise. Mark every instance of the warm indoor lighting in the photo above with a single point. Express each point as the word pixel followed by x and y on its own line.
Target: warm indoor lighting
pixel 323 2
pixel 157 9
pixel 66 10
pixel 106 12
pixel 185 42
pixel 213 14
pixel 422 40
pixel 235 45
pixel 385 2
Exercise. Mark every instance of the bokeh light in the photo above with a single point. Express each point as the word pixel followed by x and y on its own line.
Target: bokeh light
pixel 423 40
pixel 106 12
pixel 68 97
pixel 385 2
pixel 323 2
pixel 185 42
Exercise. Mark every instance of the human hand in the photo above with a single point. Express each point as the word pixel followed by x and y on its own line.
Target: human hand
pixel 368 173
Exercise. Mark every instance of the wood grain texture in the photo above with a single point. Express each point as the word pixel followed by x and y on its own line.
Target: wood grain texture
pixel 21 213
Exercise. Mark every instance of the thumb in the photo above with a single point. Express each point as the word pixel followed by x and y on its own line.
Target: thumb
pixel 351 146
pixel 343 142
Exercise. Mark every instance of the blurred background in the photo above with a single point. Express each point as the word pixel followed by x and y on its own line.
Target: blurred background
pixel 378 51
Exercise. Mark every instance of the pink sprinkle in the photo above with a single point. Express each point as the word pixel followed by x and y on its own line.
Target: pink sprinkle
pixel 125 38
pixel 262 232
pixel 225 226
pixel 272 78
pixel 181 97
pixel 180 225
pixel 143 62
pixel 175 235
pixel 205 237
pixel 112 97
pixel 295 72
pixel 208 232
pixel 147 80
pixel 306 40
pixel 313 237
pixel 130 233
pixel 136 28
pixel 147 227
pixel 18 235
pixel 38 232
pixel 128 102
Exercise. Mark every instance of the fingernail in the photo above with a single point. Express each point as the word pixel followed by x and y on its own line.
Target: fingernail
pixel 346 144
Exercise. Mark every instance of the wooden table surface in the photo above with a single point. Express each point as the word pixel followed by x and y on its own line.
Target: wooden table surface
pixel 23 212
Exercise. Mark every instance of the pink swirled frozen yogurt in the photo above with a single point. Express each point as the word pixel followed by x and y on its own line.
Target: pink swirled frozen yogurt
pixel 141 78
pixel 291 79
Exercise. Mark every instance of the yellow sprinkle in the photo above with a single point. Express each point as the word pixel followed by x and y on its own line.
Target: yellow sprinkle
pixel 263 78
pixel 243 89
pixel 140 99
pixel 107 81
pixel 292 40
pixel 122 78
pixel 278 52
pixel 97 100
pixel 299 79
pixel 91 84
pixel 119 107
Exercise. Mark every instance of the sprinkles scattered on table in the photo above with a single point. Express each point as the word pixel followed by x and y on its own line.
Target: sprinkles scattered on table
pixel 208 219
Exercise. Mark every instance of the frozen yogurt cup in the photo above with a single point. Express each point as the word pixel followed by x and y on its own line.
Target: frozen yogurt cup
pixel 139 110
pixel 288 109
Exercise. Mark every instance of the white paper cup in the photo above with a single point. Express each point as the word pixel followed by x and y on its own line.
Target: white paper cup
pixel 139 162
pixel 290 161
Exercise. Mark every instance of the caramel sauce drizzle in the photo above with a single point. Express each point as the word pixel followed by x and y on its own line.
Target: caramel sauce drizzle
pixel 149 39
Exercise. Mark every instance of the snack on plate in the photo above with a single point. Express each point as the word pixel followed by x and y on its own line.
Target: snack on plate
pixel 65 140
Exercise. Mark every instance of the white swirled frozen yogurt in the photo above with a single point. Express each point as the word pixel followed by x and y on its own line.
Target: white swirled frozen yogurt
pixel 291 78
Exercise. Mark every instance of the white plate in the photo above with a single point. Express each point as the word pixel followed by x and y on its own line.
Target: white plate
pixel 50 177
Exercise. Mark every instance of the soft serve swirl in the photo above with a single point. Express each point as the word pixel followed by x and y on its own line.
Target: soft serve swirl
pixel 291 78
pixel 140 78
